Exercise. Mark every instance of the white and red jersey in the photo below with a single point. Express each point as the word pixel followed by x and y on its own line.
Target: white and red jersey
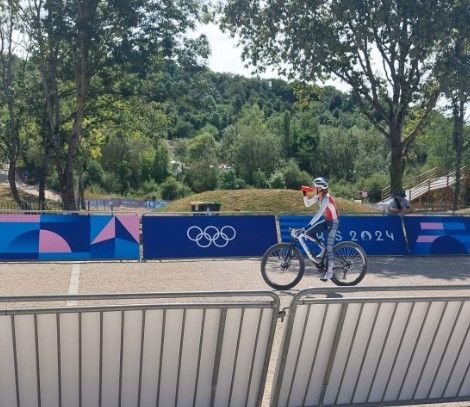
pixel 327 209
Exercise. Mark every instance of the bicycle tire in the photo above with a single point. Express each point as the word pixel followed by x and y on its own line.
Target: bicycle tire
pixel 274 266
pixel 350 261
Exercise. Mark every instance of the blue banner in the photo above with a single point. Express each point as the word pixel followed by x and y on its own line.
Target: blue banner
pixel 439 235
pixel 69 237
pixel 170 237
pixel 378 235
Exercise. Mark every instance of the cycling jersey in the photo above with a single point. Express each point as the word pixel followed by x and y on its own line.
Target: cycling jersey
pixel 327 209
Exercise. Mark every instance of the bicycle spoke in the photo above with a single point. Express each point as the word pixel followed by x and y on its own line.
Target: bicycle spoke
pixel 350 265
pixel 282 267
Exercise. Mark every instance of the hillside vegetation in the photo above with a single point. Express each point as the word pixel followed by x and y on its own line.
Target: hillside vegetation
pixel 260 200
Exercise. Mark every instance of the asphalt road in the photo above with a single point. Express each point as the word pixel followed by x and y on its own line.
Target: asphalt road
pixel 210 275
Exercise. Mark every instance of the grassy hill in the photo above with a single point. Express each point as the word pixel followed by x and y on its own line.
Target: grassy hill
pixel 245 200
pixel 260 200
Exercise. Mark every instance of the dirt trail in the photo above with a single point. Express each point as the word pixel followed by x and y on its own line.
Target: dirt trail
pixel 30 189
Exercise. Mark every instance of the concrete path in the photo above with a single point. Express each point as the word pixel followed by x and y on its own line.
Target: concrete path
pixel 30 189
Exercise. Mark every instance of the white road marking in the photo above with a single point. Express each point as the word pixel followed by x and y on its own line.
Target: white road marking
pixel 73 285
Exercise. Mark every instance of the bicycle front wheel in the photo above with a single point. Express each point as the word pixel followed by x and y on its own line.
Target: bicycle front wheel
pixel 282 266
pixel 350 264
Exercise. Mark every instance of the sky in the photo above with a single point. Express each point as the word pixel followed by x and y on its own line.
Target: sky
pixel 226 56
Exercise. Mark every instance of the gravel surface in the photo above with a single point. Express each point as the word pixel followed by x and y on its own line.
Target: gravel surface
pixel 214 275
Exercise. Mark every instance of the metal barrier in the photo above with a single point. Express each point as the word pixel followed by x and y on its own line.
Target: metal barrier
pixel 186 349
pixel 393 350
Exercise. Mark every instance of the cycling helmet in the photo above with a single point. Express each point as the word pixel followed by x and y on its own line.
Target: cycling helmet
pixel 320 182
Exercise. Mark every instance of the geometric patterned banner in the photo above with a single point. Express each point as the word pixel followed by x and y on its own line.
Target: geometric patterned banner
pixel 69 237
pixel 378 235
pixel 438 235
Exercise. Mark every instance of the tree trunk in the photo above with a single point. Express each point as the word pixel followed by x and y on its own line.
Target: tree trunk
pixel 396 167
pixel 42 181
pixel 85 9
pixel 13 188
pixel 458 110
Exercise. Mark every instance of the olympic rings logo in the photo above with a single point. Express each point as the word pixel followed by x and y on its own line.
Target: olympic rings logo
pixel 211 235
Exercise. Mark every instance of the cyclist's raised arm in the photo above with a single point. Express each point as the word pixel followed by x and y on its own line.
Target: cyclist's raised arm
pixel 318 215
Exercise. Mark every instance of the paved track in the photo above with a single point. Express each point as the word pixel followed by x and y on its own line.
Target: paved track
pixel 214 275
pixel 209 275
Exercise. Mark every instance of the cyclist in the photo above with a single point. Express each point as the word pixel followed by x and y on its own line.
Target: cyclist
pixel 326 219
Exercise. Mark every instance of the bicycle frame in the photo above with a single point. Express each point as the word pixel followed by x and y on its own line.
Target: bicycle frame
pixel 301 239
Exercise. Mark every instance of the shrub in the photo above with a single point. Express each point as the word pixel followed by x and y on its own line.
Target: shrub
pixel 277 180
pixel 172 189
pixel 228 180
pixel 260 180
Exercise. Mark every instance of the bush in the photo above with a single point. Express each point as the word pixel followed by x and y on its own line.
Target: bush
pixel 94 174
pixel 277 181
pixel 343 189
pixel 172 189
pixel 294 177
pixel 148 188
pixel 374 185
pixel 228 180
pixel 260 180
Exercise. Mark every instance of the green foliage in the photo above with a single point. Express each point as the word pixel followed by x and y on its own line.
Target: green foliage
pixel 336 154
pixel 373 185
pixel 294 177
pixel 228 180
pixel 306 138
pixel 260 180
pixel 172 189
pixel 152 107
pixel 161 162
pixel 251 146
pixel 277 180
pixel 94 174
pixel 339 40
pixel 202 169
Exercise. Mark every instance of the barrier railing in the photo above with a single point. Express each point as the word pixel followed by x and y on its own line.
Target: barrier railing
pixel 188 349
pixel 398 349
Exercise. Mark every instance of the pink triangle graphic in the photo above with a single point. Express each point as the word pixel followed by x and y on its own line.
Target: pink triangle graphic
pixel 108 232
pixel 131 223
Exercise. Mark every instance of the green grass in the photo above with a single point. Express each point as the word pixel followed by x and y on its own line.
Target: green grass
pixel 245 200
pixel 260 200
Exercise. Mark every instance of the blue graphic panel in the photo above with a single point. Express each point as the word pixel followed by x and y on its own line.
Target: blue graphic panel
pixel 167 237
pixel 74 229
pixel 438 235
pixel 378 235
pixel 69 237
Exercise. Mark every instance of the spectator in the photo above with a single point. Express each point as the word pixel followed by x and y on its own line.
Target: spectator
pixel 399 204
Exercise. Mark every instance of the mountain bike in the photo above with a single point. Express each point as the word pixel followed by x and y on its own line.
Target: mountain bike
pixel 283 264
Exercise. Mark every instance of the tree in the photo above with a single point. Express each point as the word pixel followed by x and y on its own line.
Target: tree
pixel 74 39
pixel 384 50
pixel 202 173
pixel 250 146
pixel 456 81
pixel 11 88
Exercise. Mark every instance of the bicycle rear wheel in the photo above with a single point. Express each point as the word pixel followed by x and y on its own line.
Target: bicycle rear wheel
pixel 282 266
pixel 350 264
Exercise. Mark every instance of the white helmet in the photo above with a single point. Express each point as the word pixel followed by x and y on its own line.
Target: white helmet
pixel 320 182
